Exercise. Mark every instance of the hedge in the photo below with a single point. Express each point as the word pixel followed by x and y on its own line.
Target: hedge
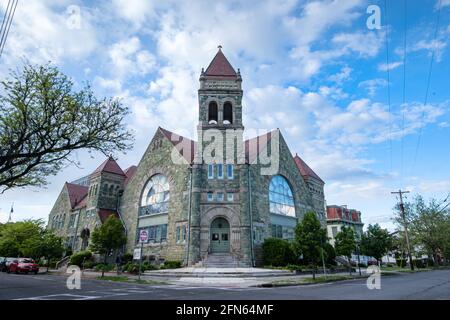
pixel 278 252
pixel 79 257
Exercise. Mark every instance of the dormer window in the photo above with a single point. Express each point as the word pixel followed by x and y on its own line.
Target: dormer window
pixel 227 113
pixel 213 113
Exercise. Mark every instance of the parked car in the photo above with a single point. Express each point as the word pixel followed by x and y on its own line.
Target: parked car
pixel 24 265
pixel 4 263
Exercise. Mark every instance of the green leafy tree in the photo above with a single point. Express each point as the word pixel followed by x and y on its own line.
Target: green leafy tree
pixel 376 242
pixel 429 225
pixel 29 239
pixel 345 244
pixel 310 239
pixel 107 238
pixel 43 120
pixel 330 254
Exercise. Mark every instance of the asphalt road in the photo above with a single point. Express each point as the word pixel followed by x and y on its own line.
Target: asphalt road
pixel 422 285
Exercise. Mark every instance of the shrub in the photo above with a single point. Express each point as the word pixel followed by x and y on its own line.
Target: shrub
pixel 79 257
pixel 401 263
pixel 131 267
pixel 88 264
pixel 277 252
pixel 419 263
pixel 103 267
pixel 171 264
pixel 294 267
pixel 127 257
pixel 148 266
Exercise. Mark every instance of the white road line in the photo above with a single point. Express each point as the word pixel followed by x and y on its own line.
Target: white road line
pixel 68 295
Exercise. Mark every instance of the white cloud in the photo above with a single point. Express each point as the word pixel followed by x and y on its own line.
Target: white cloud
pixel 434 46
pixel 390 66
pixel 342 76
pixel 372 85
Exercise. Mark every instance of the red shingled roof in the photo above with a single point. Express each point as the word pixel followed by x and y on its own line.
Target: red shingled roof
pixel 305 170
pixel 76 193
pixel 129 172
pixel 186 147
pixel 220 67
pixel 104 214
pixel 110 165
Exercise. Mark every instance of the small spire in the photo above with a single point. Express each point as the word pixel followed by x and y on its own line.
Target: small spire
pixel 220 47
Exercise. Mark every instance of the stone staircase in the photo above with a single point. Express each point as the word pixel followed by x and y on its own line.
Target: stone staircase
pixel 221 260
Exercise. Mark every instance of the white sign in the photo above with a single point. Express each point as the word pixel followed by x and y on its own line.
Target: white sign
pixel 143 236
pixel 137 254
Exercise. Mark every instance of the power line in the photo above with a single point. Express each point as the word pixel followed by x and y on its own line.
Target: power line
pixel 388 81
pixel 6 23
pixel 404 89
pixel 430 69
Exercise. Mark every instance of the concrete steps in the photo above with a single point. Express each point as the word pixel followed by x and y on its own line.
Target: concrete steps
pixel 220 260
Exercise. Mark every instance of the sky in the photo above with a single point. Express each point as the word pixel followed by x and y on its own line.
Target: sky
pixel 350 100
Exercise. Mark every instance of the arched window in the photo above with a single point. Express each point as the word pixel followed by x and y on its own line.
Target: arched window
pixel 227 113
pixel 281 199
pixel 212 113
pixel 111 190
pixel 155 198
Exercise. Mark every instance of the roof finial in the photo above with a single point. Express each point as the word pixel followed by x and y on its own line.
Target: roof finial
pixel 220 47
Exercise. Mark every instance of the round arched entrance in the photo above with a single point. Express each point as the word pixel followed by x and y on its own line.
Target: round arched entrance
pixel 220 235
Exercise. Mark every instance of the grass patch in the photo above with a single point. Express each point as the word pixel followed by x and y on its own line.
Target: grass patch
pixel 128 280
pixel 407 270
pixel 320 279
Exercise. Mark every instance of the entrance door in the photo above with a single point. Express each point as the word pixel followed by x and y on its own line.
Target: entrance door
pixel 220 235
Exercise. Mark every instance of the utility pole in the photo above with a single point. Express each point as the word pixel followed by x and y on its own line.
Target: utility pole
pixel 402 211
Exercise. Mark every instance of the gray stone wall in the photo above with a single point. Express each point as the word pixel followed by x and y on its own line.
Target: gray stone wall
pixel 157 160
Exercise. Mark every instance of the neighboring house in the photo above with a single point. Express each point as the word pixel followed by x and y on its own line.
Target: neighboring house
pixel 339 216
pixel 192 205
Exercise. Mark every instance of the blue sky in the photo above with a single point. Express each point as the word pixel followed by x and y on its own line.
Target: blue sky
pixel 311 68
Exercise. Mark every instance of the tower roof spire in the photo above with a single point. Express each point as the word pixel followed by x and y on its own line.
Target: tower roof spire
pixel 220 67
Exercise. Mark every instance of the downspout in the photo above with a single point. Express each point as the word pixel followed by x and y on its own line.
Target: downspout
pixel 76 229
pixel 250 214
pixel 189 217
pixel 121 219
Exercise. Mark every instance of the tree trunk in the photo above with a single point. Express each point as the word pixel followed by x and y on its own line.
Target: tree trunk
pixel 349 265
pixel 103 269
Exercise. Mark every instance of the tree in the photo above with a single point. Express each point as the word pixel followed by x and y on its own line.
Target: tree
pixel 29 239
pixel 345 244
pixel 429 225
pixel 107 238
pixel 330 254
pixel 310 239
pixel 376 242
pixel 43 120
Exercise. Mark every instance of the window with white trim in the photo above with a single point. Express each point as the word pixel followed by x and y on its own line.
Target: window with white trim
pixel 230 171
pixel 210 171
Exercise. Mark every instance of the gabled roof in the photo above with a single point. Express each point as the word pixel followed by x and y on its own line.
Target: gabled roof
pixel 305 170
pixel 76 193
pixel 185 146
pixel 220 67
pixel 254 146
pixel 129 172
pixel 103 214
pixel 110 165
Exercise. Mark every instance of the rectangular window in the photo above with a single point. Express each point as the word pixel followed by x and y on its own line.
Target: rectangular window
pixel 178 234
pixel 274 230
pixel 230 171
pixel 183 234
pixel 163 228
pixel 220 171
pixel 334 231
pixel 219 196
pixel 230 196
pixel 279 232
pixel 210 196
pixel 210 171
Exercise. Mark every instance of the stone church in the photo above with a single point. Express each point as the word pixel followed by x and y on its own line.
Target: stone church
pixel 218 197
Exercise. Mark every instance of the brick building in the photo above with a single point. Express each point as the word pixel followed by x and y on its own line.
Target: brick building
pixel 339 216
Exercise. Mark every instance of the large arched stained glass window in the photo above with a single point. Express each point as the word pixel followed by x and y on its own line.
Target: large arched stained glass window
pixel 281 199
pixel 155 198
